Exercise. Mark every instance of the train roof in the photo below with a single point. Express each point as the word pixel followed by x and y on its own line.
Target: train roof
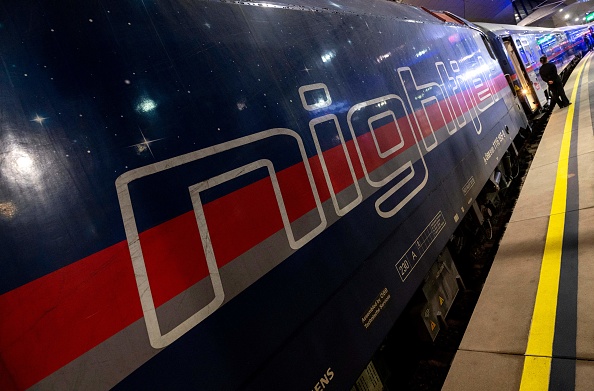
pixel 386 9
pixel 501 29
pixel 504 29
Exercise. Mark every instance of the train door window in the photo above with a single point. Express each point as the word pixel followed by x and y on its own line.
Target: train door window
pixel 522 52
pixel 529 55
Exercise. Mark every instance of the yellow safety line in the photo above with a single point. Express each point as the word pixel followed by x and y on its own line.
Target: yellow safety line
pixel 539 351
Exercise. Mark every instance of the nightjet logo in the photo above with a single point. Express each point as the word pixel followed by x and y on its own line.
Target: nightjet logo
pixel 389 137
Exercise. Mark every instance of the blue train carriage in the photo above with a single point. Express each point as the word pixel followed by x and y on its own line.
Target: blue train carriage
pixel 565 49
pixel 220 195
pixel 523 47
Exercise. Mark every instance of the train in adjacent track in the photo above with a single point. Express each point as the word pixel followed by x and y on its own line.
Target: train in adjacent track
pixel 222 195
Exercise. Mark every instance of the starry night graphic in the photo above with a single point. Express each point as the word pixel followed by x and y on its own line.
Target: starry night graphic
pixel 92 91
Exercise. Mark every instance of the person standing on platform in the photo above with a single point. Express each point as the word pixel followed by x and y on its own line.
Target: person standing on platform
pixel 548 73
pixel 588 42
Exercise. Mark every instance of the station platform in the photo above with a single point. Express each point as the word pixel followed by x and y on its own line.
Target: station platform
pixel 533 326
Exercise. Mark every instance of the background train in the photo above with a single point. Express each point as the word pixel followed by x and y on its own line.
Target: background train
pixel 218 195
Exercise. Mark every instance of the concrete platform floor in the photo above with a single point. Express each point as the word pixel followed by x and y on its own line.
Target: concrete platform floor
pixel 493 352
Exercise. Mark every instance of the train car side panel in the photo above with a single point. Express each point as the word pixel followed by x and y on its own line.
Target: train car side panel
pixel 222 196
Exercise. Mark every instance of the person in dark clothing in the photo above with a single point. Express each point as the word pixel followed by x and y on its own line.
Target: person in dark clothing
pixel 548 73
pixel 588 42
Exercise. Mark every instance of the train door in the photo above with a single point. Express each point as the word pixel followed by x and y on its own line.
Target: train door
pixel 525 88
